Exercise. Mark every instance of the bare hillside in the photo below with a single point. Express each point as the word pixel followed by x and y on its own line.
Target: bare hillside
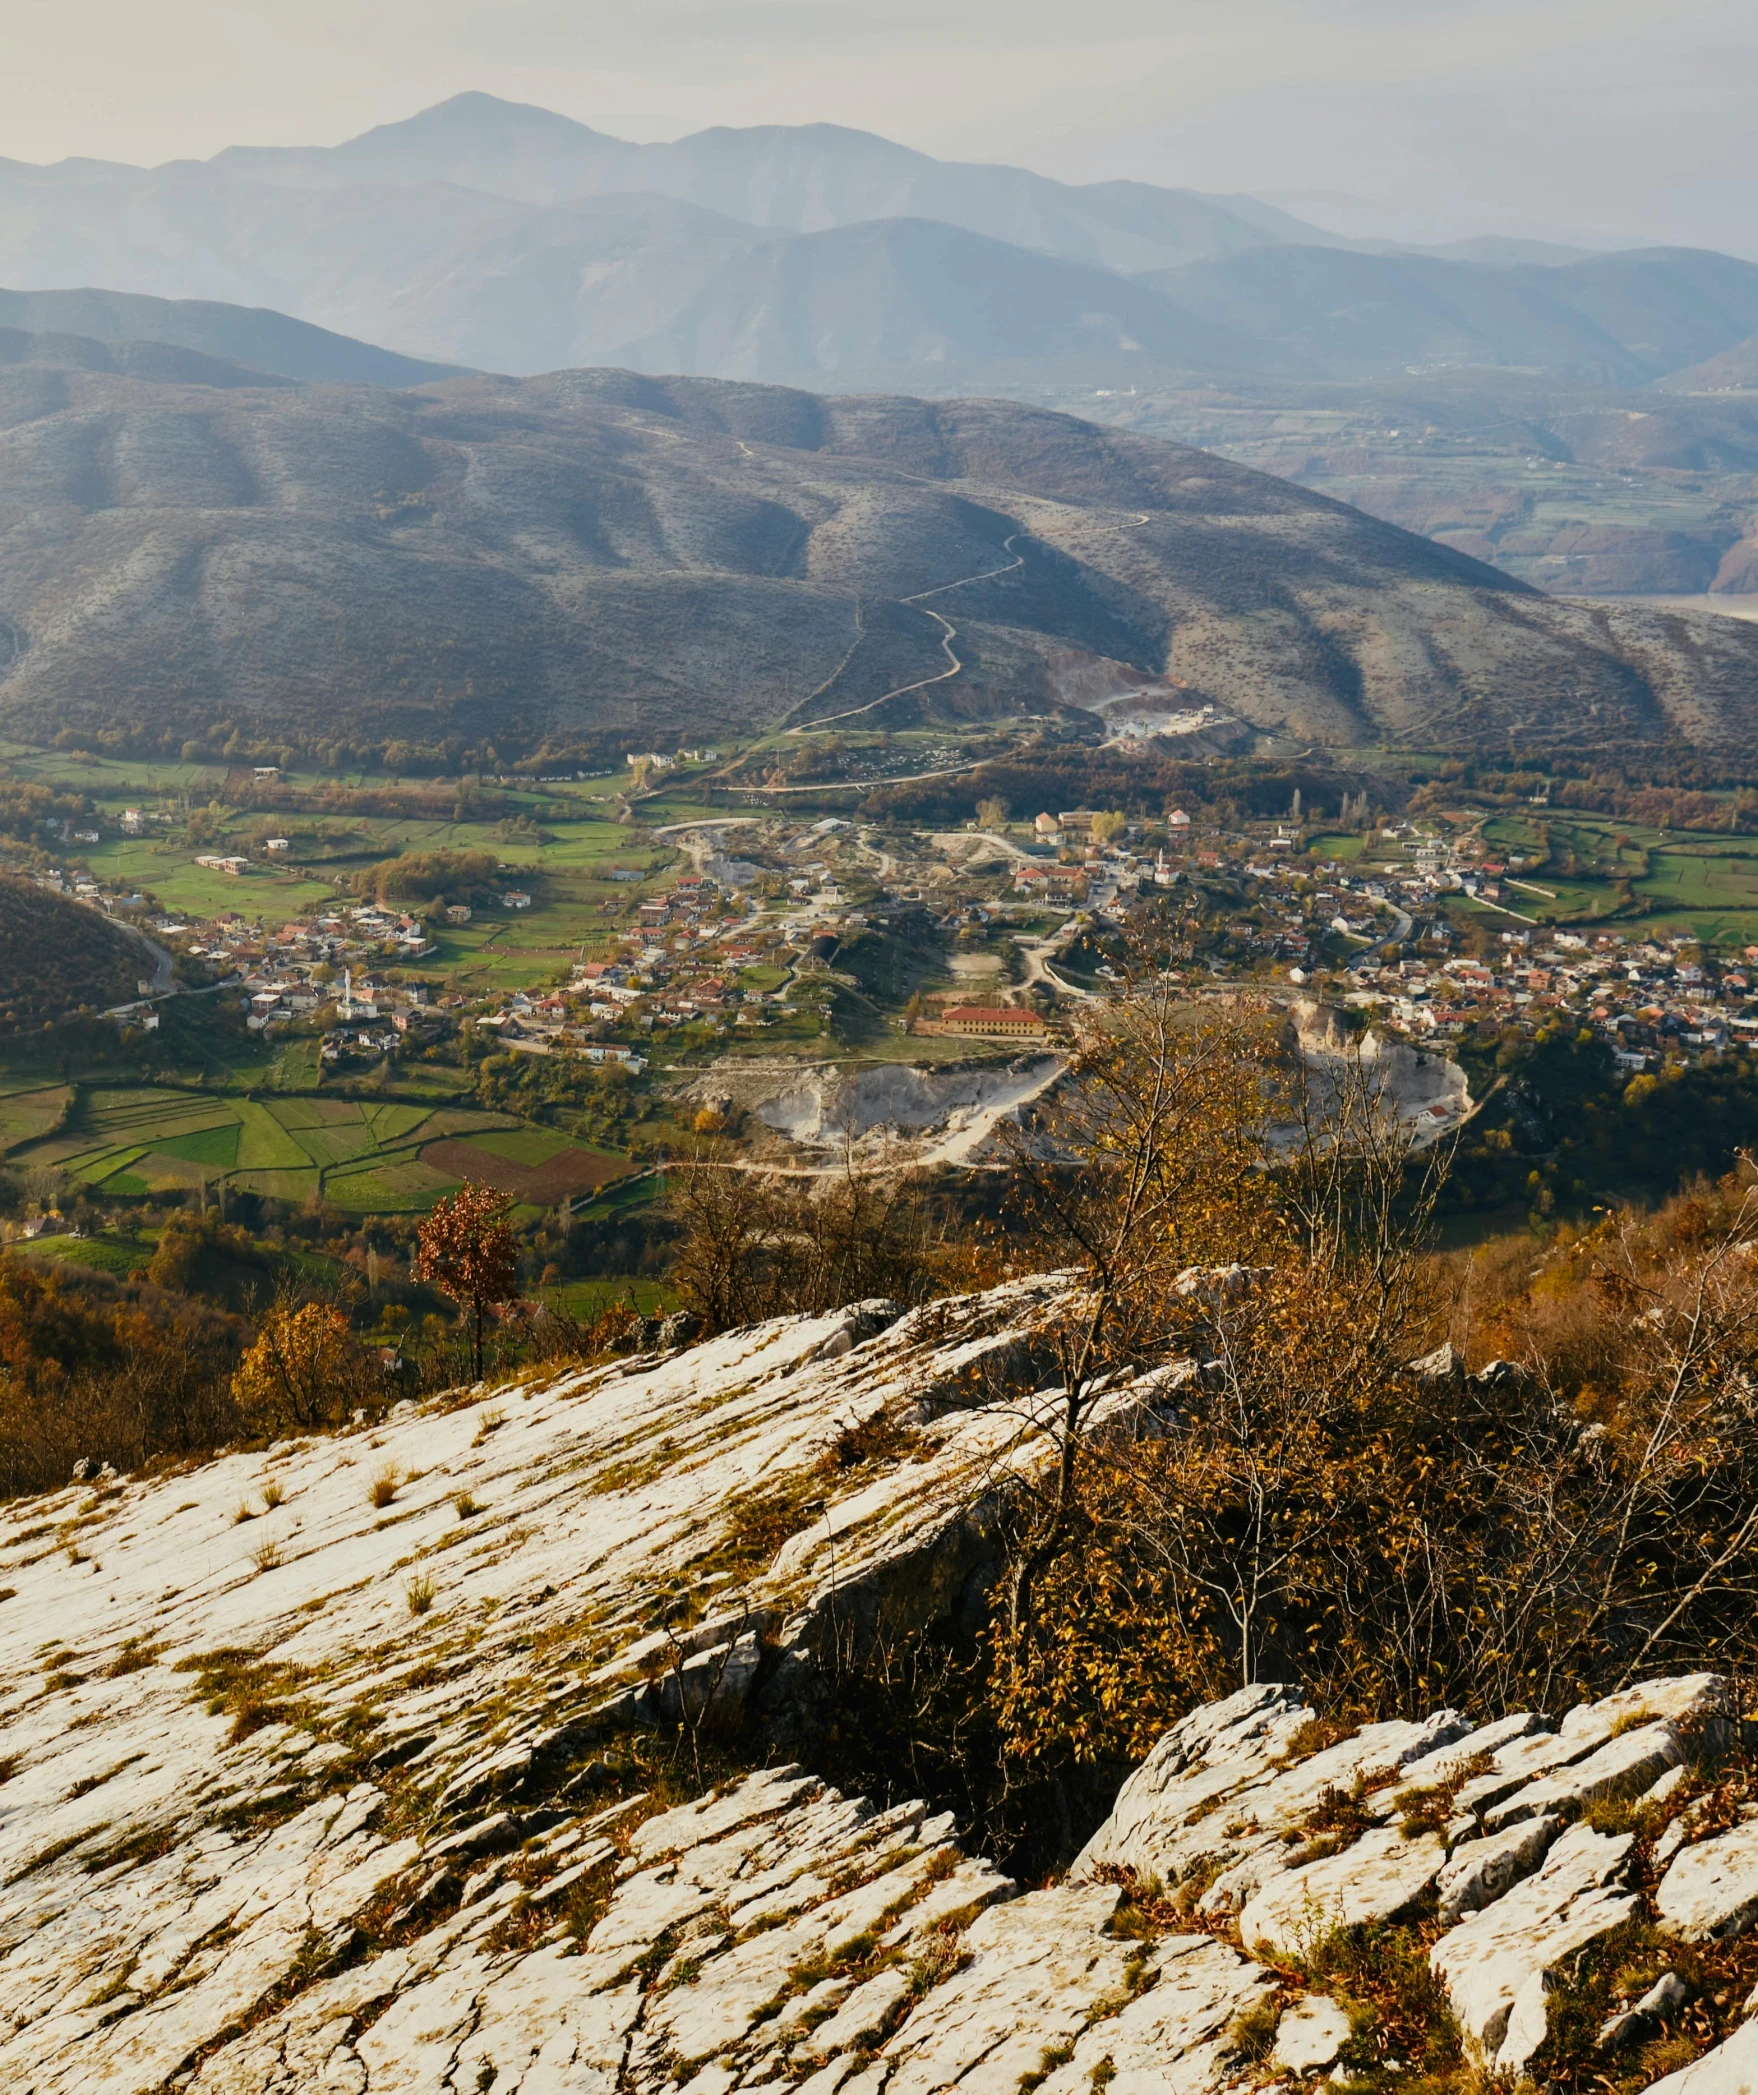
pixel 513 560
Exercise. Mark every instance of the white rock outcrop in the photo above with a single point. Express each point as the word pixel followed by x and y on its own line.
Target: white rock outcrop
pixel 307 1791
pixel 1730 2069
pixel 1711 1890
pixel 1497 1963
pixel 1375 1879
pixel 1312 2031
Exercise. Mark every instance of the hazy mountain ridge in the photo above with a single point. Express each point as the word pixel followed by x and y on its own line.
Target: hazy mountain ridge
pixel 262 339
pixel 515 560
pixel 486 234
pixel 795 178
pixel 1614 319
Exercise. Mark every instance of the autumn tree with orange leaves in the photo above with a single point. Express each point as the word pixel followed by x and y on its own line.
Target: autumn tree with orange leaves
pixel 467 1249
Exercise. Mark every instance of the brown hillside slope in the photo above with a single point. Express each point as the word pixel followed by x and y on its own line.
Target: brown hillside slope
pixel 57 955
pixel 515 559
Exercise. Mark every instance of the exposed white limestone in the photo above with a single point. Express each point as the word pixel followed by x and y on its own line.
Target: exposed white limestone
pixel 1374 1879
pixel 1312 2031
pixel 389 1857
pixel 1730 2069
pixel 1495 1964
pixel 1712 1889
pixel 1477 1872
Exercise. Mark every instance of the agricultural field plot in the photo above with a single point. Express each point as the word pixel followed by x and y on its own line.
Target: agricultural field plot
pixel 169 872
pixel 120 1256
pixel 390 1157
pixel 586 1299
pixel 388 1186
pixel 29 1115
pixel 1708 883
pixel 137 781
pixel 529 1163
pixel 1654 882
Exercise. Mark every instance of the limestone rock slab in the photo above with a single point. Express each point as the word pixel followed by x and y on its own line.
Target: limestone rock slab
pixel 1730 2069
pixel 1173 2033
pixel 1622 1767
pixel 1710 1891
pixel 1374 1880
pixel 1477 1872
pixel 1038 1968
pixel 1312 2031
pixel 1494 1964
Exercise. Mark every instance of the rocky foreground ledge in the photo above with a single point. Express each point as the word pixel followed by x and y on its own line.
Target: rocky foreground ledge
pixel 307 1785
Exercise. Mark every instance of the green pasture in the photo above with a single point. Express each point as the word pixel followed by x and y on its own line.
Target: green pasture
pixel 29 1113
pixel 586 1299
pixel 129 780
pixel 1680 882
pixel 168 871
pixel 118 1255
pixel 365 1157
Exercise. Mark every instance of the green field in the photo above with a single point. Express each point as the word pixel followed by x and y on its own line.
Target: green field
pixel 523 1145
pixel 118 1255
pixel 585 1299
pixel 29 1113
pixel 365 1158
pixel 1644 880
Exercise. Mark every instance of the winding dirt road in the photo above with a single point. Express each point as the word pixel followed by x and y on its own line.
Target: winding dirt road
pixel 948 634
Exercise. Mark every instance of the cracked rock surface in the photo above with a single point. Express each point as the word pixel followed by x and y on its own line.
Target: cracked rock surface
pixel 268 1827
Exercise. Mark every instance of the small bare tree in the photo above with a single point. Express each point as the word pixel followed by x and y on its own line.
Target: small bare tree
pixel 1152 1160
pixel 758 1244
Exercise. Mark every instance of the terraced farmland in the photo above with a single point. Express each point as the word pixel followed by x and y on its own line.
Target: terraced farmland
pixel 28 1114
pixel 364 1158
pixel 1589 869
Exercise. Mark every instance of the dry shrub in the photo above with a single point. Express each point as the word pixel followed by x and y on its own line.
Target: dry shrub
pixel 755 1245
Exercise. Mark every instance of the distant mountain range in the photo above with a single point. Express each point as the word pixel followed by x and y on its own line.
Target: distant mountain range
pixel 495 564
pixel 219 344
pixel 487 234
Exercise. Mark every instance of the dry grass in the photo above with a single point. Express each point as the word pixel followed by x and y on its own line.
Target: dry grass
pixel 384 1486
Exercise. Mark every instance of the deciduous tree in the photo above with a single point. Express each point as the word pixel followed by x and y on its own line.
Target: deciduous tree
pixel 467 1249
pixel 303 1368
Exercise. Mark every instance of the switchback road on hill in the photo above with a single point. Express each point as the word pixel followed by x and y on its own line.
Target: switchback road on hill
pixel 948 634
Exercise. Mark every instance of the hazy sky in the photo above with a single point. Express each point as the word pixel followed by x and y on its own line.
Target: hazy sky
pixel 1621 116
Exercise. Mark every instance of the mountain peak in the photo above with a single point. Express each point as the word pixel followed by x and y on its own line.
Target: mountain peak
pixel 479 118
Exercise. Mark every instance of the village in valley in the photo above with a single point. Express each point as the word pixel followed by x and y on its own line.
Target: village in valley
pixel 777 936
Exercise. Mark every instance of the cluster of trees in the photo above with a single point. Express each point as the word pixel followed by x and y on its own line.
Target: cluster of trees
pixel 1705 797
pixel 226 1338
pixel 1062 775
pixel 1504 1481
pixel 755 1244
pixel 1563 1130
pixel 58 958
pixel 25 808
pixel 427 880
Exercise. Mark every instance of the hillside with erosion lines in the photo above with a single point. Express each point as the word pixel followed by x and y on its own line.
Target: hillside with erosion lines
pixel 504 562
